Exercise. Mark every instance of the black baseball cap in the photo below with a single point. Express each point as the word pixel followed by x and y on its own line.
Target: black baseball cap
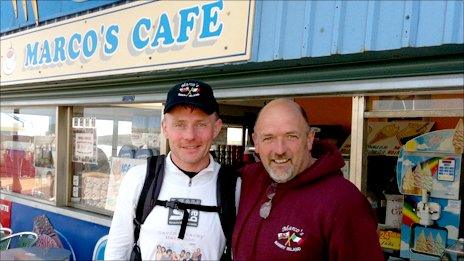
pixel 192 92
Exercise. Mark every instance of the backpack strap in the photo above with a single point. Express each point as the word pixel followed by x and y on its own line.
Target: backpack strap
pixel 150 192
pixel 225 195
pixel 174 204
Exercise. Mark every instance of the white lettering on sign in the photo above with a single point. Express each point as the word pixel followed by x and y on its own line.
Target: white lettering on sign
pixel 4 208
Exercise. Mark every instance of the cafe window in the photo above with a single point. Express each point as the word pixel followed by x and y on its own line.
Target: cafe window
pixel 414 146
pixel 28 152
pixel 106 143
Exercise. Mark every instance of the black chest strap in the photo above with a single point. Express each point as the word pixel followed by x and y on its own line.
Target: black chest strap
pixel 174 204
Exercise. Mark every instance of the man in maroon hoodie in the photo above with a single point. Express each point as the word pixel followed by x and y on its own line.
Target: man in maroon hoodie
pixel 294 206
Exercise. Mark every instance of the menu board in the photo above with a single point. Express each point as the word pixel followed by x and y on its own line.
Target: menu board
pixel 84 140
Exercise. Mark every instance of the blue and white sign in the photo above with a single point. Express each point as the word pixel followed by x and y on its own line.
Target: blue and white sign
pixel 134 37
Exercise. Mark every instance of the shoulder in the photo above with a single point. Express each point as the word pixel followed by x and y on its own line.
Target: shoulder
pixel 136 173
pixel 340 190
pixel 348 198
pixel 133 180
pixel 250 171
pixel 228 172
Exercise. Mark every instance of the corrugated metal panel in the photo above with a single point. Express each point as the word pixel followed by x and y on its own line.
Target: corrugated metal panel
pixel 294 29
pixel 15 14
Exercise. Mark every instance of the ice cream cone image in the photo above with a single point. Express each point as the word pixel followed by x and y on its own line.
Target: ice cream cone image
pixel 421 243
pixel 412 130
pixel 425 176
pixel 430 244
pixel 409 186
pixel 386 132
pixel 458 138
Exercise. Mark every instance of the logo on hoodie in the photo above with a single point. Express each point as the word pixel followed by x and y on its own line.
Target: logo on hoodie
pixel 290 238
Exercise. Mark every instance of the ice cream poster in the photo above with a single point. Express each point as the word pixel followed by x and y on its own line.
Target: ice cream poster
pixel 387 138
pixel 429 162
pixel 428 243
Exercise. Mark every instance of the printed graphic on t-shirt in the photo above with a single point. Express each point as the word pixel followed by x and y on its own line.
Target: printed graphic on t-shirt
pixel 177 254
pixel 175 215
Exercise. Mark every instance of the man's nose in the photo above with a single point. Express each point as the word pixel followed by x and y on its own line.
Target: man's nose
pixel 280 146
pixel 189 133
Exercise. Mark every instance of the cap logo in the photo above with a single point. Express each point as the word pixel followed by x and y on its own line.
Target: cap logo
pixel 189 89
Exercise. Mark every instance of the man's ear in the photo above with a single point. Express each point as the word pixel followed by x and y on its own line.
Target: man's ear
pixel 217 127
pixel 163 126
pixel 310 139
pixel 254 136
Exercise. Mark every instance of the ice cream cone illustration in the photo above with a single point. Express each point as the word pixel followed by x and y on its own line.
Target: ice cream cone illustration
pixel 409 186
pixel 387 131
pixel 458 138
pixel 425 176
pixel 412 130
pixel 421 243
pixel 430 244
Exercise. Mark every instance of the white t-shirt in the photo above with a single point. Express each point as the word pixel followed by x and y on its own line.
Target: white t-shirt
pixel 158 240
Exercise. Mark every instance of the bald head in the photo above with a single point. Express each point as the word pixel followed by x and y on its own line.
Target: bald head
pixel 282 106
pixel 283 139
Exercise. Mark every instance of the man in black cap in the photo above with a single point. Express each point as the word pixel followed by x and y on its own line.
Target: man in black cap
pixel 190 205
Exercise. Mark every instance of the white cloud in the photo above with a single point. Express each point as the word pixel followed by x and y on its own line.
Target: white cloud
pixel 407 162
pixel 444 189
pixel 453 207
pixel 452 232
pixel 422 146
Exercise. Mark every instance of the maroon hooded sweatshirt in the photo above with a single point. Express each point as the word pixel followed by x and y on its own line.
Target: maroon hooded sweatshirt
pixel 317 215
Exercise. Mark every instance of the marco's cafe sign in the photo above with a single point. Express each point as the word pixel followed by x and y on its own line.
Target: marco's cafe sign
pixel 135 37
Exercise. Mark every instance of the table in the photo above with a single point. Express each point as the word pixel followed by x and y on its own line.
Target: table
pixel 35 253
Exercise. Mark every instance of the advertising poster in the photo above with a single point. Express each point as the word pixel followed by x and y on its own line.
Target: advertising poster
pixel 387 138
pixel 119 168
pixel 429 162
pixel 5 213
pixel 84 140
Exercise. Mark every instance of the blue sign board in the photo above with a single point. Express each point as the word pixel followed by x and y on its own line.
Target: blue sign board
pixel 16 14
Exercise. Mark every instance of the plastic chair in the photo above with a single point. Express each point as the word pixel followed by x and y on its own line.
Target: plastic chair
pixel 4 232
pixel 143 153
pixel 127 151
pixel 67 244
pixel 21 239
pixel 99 250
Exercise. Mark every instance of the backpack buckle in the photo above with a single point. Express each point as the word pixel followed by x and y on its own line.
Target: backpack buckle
pixel 172 204
pixel 136 223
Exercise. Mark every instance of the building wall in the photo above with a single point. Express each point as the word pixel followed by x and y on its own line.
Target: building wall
pixel 299 29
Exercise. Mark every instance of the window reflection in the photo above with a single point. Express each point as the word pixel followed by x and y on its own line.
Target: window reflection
pixel 115 140
pixel 28 151
pixel 416 102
